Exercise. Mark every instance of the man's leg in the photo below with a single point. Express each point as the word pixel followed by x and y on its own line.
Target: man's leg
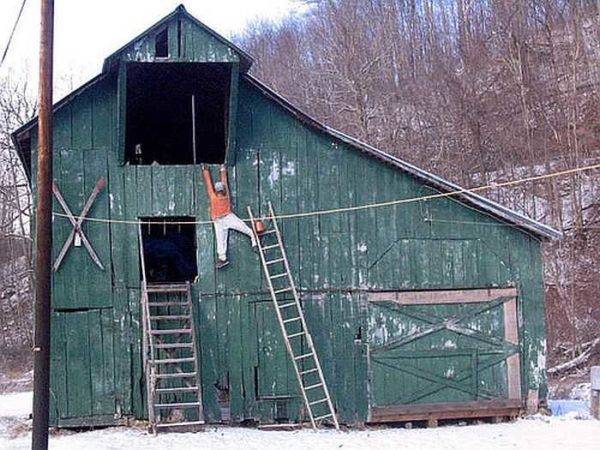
pixel 237 224
pixel 221 234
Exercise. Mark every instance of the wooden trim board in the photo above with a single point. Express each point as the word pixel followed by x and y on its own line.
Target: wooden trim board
pixel 513 362
pixel 442 297
pixel 425 411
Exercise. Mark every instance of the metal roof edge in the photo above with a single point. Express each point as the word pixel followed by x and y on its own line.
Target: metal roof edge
pixel 480 202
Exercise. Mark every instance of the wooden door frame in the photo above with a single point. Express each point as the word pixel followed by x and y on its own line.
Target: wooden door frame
pixel 509 406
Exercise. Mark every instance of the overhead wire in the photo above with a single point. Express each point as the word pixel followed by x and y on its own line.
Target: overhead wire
pixel 12 33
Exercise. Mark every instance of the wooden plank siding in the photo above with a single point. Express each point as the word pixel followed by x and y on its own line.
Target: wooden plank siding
pixel 336 259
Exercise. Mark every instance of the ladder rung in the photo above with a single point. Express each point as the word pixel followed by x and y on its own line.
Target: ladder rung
pixel 175 390
pixel 318 401
pixel 187 316
pixel 295 319
pixel 168 304
pixel 175 345
pixel 172 331
pixel 297 358
pixel 175 287
pixel 178 424
pixel 176 375
pixel 313 386
pixel 286 305
pixel 323 417
pixel 296 335
pixel 281 291
pixel 177 405
pixel 274 277
pixel 274 261
pixel 306 372
pixel 264 233
pixel 171 361
pixel 269 247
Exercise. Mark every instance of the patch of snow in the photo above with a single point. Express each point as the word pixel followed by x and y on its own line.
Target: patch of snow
pixel 16 404
pixel 581 391
pixel 549 433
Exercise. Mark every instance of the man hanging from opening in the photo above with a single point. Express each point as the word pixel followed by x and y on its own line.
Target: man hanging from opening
pixel 220 212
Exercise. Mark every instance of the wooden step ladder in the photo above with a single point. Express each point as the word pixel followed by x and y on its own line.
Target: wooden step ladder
pixel 293 325
pixel 173 387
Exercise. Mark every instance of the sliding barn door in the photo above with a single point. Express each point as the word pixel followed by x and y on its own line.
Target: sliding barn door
pixel 443 354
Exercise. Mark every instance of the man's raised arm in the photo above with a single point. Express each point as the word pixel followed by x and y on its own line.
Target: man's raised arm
pixel 207 180
pixel 223 171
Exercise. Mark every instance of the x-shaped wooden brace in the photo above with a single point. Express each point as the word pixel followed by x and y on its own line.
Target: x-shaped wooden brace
pixel 502 351
pixel 77 232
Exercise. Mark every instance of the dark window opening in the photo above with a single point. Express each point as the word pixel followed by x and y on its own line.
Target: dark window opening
pixel 161 44
pixel 179 37
pixel 169 249
pixel 158 122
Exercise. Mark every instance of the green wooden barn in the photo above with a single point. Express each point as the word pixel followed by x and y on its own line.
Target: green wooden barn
pixel 429 309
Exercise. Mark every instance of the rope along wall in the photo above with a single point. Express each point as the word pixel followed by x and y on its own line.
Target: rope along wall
pixel 361 207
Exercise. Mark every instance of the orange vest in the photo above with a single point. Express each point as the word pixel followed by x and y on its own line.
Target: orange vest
pixel 219 206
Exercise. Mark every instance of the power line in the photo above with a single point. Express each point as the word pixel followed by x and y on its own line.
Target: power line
pixel 366 206
pixel 12 33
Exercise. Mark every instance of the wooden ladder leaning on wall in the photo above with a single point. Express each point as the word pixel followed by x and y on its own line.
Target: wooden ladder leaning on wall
pixel 290 316
pixel 173 387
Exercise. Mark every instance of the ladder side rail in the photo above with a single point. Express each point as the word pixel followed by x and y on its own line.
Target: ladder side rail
pixel 147 338
pixel 286 263
pixel 195 354
pixel 305 327
pixel 280 318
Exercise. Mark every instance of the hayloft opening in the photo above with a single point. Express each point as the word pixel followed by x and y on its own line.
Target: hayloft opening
pixel 161 44
pixel 169 249
pixel 159 113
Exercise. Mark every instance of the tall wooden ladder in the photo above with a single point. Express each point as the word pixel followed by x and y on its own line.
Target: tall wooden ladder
pixel 173 387
pixel 290 316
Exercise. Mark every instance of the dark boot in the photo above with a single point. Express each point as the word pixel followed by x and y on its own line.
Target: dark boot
pixel 221 263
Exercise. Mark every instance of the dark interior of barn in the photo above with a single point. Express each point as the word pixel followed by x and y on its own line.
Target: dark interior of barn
pixel 158 122
pixel 169 249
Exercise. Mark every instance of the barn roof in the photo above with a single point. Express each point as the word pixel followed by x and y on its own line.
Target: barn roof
pixel 477 201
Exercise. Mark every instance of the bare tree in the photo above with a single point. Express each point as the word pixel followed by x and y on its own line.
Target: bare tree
pixel 16 107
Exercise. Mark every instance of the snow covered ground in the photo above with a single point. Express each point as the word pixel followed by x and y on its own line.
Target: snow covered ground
pixel 564 433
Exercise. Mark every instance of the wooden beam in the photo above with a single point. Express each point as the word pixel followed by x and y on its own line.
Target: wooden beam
pixel 442 297
pixel 440 411
pixel 513 362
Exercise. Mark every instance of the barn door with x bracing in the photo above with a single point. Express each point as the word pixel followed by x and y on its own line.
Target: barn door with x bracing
pixel 445 353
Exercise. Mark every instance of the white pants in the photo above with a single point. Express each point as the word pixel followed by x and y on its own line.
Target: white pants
pixel 222 227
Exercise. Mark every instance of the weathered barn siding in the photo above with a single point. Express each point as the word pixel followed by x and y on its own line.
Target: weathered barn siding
pixel 337 259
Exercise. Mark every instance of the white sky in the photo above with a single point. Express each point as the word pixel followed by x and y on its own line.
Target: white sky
pixel 86 31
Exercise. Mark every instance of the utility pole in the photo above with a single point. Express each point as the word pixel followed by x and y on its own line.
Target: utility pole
pixel 43 235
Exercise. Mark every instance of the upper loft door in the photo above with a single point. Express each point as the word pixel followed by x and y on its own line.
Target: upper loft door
pixel 177 113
